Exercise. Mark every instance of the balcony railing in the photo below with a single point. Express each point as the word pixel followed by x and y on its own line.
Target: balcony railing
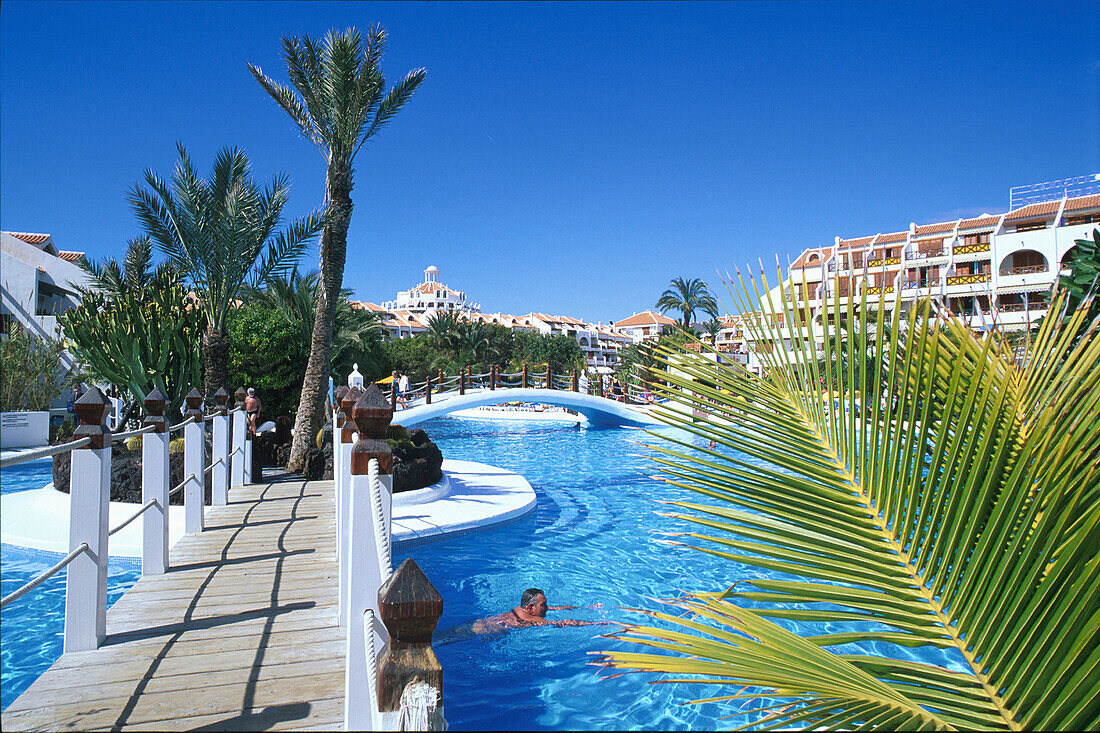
pixel 968 279
pixel 1025 270
pixel 878 290
pixel 884 261
pixel 963 249
pixel 914 284
pixel 1021 307
pixel 928 254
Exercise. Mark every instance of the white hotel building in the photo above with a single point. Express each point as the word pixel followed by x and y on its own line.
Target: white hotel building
pixel 994 270
pixel 409 313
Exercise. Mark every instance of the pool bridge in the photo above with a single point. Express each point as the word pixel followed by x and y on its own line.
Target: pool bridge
pixel 278 609
pixel 597 410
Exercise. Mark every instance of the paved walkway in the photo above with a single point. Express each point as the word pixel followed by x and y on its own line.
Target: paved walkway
pixel 241 633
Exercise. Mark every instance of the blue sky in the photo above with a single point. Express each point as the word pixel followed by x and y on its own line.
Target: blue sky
pixel 565 158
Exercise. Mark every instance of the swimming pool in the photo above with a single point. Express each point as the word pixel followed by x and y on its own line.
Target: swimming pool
pixel 592 539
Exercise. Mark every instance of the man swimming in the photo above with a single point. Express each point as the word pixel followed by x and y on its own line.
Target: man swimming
pixel 531 611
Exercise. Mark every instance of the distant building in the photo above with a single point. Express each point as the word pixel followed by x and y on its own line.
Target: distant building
pixel 993 270
pixel 38 282
pixel 645 326
pixel 431 295
pixel 411 311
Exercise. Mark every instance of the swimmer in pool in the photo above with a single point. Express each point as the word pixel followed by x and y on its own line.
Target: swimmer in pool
pixel 531 611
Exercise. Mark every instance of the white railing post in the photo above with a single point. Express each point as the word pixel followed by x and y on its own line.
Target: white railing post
pixel 343 447
pixel 154 486
pixel 89 497
pixel 239 428
pixel 372 415
pixel 194 449
pixel 219 450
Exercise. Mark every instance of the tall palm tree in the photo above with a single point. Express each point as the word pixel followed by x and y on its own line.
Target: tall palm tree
pixel 687 296
pixel 220 234
pixel 338 102
pixel 443 329
pixel 116 280
pixel 954 506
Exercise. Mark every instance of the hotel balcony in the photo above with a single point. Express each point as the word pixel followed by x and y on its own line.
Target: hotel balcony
pixel 929 257
pixel 969 252
pixel 982 277
pixel 877 290
pixel 884 262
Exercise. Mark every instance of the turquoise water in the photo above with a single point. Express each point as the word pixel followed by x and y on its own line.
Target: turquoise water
pixel 592 539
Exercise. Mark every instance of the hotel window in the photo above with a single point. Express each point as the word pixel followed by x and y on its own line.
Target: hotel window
pixel 1082 219
pixel 1031 226
pixel 980 238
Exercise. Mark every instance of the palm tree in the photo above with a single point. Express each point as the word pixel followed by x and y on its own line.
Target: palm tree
pixel 953 506
pixel 338 102
pixel 687 296
pixel 294 297
pixel 115 281
pixel 443 329
pixel 220 234
pixel 712 327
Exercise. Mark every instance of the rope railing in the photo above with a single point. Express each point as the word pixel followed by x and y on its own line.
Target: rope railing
pixel 381 531
pixel 44 576
pixel 144 508
pixel 183 424
pixel 52 450
pixel 134 433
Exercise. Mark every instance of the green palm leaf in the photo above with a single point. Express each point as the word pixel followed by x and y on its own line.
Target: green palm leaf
pixel 905 478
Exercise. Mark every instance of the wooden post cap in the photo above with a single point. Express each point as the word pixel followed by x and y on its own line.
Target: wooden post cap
pixel 91 409
pixel 194 405
pixel 239 397
pixel 372 416
pixel 347 410
pixel 410 608
pixel 221 399
pixel 155 404
pixel 338 400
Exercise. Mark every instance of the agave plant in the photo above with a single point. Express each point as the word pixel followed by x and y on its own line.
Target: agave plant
pixel 953 505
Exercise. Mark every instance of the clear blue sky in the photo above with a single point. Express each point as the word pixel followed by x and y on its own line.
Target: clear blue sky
pixel 566 158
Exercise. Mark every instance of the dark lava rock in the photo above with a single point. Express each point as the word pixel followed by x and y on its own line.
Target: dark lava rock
pixel 315 464
pixel 416 466
pixel 126 475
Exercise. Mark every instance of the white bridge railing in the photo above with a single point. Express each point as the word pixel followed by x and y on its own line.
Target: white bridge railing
pixel 393 680
pixel 90 492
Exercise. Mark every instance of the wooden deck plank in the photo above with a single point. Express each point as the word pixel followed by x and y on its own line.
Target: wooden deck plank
pixel 240 634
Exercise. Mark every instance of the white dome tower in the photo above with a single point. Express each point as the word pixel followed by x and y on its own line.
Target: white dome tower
pixel 431 275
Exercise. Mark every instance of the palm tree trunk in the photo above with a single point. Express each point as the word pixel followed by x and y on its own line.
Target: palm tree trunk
pixel 215 364
pixel 334 247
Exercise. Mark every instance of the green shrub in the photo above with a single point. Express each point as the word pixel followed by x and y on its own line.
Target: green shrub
pixel 266 353
pixel 31 376
pixel 134 443
pixel 397 432
pixel 175 446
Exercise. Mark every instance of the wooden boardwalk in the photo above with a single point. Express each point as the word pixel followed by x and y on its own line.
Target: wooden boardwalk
pixel 240 634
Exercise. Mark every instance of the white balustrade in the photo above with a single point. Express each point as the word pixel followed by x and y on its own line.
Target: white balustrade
pixel 194 449
pixel 219 452
pixel 154 486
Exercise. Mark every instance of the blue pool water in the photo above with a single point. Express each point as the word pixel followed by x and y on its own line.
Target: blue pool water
pixel 592 539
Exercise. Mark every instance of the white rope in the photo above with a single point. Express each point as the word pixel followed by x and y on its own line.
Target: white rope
pixel 134 433
pixel 44 452
pixel 381 532
pixel 418 702
pixel 43 577
pixel 145 507
pixel 176 427
pixel 372 658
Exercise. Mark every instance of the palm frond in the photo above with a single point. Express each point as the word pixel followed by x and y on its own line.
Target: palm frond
pixel 939 495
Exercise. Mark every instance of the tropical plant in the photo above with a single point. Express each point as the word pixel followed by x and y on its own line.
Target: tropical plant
pixel 266 353
pixel 712 327
pixel 220 235
pixel 138 339
pixel 562 353
pixel 356 333
pixel 114 280
pixel 443 329
pixel 338 102
pixel 955 507
pixel 1083 264
pixel 687 296
pixel 31 375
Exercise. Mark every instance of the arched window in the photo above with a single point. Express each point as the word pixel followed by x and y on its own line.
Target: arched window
pixel 1023 262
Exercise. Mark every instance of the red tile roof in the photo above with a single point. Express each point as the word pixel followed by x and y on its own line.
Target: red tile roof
pixel 985 220
pixel 805 258
pixel 892 237
pixel 645 318
pixel 1083 202
pixel 70 256
pixel 857 242
pixel 30 238
pixel 1045 209
pixel 935 228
